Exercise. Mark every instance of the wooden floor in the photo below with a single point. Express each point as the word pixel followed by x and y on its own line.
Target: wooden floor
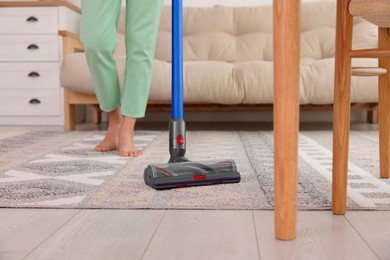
pixel 189 234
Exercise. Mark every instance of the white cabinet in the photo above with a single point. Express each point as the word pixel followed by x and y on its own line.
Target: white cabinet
pixel 37 48
pixel 30 59
pixel 28 20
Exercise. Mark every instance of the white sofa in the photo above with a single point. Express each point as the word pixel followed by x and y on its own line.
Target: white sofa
pixel 228 57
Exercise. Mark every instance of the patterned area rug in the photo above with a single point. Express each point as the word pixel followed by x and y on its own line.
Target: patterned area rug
pixel 61 170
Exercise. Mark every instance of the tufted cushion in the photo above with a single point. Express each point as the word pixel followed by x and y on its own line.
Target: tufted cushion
pixel 228 54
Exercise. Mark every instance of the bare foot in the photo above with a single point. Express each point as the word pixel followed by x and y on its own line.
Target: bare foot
pixel 109 143
pixel 126 147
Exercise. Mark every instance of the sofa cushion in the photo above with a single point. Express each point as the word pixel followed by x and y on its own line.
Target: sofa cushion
pixel 228 54
pixel 236 34
pixel 204 81
pixel 231 83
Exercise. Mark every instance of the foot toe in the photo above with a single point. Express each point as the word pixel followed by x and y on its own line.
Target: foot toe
pixel 123 154
pixel 104 148
pixel 131 153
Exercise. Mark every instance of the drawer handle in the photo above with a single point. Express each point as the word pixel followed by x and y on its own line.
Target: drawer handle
pixel 34 101
pixel 33 47
pixel 32 19
pixel 34 74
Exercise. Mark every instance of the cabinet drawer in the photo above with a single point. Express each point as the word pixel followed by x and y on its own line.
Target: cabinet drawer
pixel 21 102
pixel 29 47
pixel 25 20
pixel 29 75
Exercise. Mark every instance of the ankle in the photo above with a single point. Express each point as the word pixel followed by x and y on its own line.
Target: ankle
pixel 128 125
pixel 114 126
pixel 115 115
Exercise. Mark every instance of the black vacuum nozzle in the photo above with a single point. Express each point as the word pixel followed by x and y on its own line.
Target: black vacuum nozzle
pixel 187 174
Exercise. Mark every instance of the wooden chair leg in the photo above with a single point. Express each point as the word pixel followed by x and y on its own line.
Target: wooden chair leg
pixel 384 106
pixel 342 107
pixel 69 113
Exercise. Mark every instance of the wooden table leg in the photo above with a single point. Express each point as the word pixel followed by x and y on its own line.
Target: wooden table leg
pixel 286 114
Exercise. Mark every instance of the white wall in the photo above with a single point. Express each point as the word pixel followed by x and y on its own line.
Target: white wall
pixel 225 2
pixel 221 2
pixel 218 2
pixel 229 2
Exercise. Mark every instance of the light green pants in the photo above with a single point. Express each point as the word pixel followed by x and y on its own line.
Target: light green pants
pixel 98 26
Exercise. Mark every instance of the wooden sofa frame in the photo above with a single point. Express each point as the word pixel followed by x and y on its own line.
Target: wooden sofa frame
pixel 72 44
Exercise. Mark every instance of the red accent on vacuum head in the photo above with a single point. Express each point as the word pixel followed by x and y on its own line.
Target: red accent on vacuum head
pixel 199 177
pixel 180 140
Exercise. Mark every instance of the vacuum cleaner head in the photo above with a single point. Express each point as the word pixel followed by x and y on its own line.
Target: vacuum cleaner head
pixel 187 174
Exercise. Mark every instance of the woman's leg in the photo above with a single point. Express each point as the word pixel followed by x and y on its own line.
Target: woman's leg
pixel 98 26
pixel 142 22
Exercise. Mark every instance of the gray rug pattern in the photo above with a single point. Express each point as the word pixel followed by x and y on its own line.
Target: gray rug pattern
pixel 61 170
pixel 313 190
pixel 64 176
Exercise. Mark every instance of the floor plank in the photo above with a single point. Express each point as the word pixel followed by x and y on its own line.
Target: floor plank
pixel 321 235
pixel 21 230
pixel 201 234
pixel 374 227
pixel 102 234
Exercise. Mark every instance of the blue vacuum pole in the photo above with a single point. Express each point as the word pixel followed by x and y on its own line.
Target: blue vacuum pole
pixel 177 135
pixel 177 59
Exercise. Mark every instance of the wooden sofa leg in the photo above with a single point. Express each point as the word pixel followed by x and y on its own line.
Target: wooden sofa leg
pixel 96 114
pixel 342 107
pixel 69 117
pixel 69 113
pixel 372 116
pixel 384 106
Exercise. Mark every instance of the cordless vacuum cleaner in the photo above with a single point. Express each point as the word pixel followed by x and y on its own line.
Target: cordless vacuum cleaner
pixel 179 172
